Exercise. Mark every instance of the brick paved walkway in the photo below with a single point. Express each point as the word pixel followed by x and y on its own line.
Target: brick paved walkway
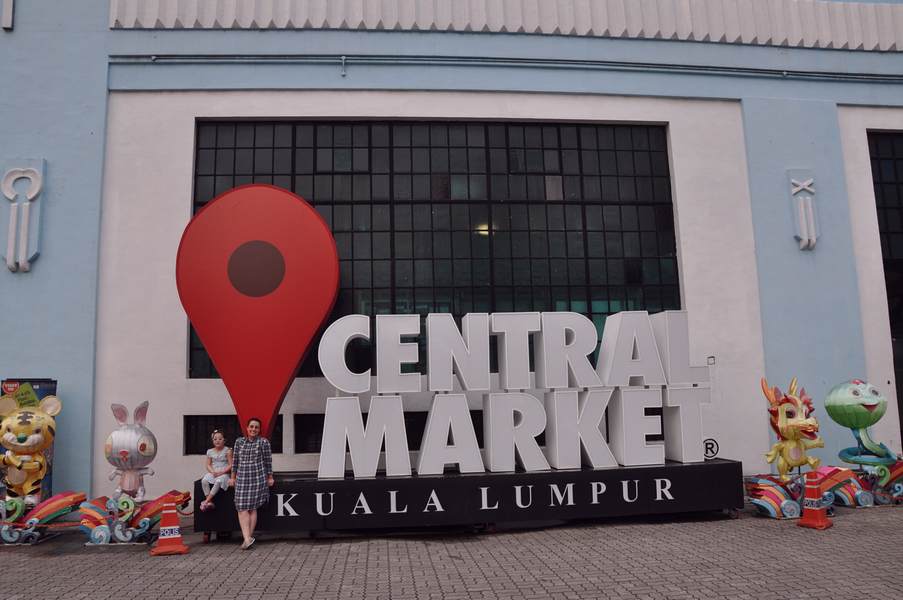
pixel 861 557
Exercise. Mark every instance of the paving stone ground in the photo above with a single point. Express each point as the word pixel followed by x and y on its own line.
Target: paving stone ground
pixel 673 558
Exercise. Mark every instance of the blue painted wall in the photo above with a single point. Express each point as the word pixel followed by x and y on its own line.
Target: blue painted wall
pixel 53 69
pixel 789 98
pixel 809 299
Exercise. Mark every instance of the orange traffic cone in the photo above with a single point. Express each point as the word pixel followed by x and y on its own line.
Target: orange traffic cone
pixel 170 541
pixel 815 513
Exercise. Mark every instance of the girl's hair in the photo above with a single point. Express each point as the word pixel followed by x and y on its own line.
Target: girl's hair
pixel 215 431
pixel 259 422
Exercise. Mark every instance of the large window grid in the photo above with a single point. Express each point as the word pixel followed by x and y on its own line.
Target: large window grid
pixel 197 430
pixel 886 153
pixel 467 217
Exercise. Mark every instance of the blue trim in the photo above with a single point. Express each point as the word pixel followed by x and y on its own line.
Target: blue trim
pixel 433 76
pixel 286 60
pixel 500 62
pixel 497 46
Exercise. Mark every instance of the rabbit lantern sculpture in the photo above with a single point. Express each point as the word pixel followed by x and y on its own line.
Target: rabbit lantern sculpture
pixel 130 449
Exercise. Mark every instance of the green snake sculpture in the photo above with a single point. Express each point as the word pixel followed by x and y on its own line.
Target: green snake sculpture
pixel 858 405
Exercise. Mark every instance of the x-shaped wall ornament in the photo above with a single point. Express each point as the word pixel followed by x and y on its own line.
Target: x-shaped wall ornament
pixel 802 197
pixel 802 186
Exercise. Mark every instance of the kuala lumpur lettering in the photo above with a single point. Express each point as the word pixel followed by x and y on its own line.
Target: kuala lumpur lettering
pixel 491 498
pixel 643 362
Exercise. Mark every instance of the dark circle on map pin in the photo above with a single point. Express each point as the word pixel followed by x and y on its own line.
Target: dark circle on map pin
pixel 256 268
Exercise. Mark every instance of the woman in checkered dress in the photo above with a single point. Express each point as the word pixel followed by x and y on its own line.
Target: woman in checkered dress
pixel 252 476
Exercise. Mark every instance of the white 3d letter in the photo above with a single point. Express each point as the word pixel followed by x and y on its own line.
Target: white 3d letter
pixel 468 353
pixel 628 426
pixel 331 354
pixel 343 421
pixel 449 417
pixel 682 418
pixel 514 331
pixel 562 348
pixel 573 422
pixel 629 351
pixel 672 336
pixel 504 436
pixel 688 388
pixel 391 353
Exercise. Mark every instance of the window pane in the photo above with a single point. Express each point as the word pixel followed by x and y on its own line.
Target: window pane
pixel 461 217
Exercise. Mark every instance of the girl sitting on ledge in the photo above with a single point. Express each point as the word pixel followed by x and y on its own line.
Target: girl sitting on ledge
pixel 219 466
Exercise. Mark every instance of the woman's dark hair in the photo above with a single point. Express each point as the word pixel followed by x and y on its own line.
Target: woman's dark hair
pixel 259 422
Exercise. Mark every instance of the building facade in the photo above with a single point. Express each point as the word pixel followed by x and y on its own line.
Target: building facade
pixel 740 160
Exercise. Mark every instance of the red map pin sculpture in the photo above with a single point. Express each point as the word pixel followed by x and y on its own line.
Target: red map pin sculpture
pixel 257 273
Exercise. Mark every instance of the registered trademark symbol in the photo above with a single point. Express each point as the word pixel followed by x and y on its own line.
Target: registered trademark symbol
pixel 710 448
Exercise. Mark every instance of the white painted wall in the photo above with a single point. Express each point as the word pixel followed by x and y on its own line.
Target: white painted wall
pixel 855 122
pixel 142 330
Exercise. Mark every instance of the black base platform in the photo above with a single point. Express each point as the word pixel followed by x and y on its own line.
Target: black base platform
pixel 300 502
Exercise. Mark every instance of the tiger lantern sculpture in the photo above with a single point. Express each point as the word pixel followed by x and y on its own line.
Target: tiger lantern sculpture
pixel 796 429
pixel 26 433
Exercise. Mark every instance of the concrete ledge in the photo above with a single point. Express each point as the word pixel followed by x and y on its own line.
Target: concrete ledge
pixel 301 502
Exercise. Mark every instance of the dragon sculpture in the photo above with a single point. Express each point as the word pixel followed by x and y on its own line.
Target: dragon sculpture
pixel 796 429
pixel 859 405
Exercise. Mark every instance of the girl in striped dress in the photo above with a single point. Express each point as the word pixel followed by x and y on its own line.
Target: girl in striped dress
pixel 252 476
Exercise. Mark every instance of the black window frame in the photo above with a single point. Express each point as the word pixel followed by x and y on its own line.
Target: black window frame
pixel 886 157
pixel 591 216
pixel 197 430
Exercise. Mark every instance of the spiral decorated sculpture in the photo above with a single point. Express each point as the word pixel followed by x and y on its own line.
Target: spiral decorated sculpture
pixel 120 520
pixel 778 498
pixel 21 526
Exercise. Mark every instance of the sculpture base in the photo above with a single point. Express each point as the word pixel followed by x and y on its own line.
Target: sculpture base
pixel 300 502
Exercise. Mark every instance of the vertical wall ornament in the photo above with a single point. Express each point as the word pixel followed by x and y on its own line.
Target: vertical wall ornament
pixel 802 198
pixel 6 14
pixel 23 226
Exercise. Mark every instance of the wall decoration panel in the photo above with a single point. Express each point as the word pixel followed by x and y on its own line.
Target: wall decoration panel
pixel 21 182
pixel 865 26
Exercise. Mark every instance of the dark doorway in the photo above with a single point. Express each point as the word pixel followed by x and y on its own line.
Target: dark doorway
pixel 886 152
